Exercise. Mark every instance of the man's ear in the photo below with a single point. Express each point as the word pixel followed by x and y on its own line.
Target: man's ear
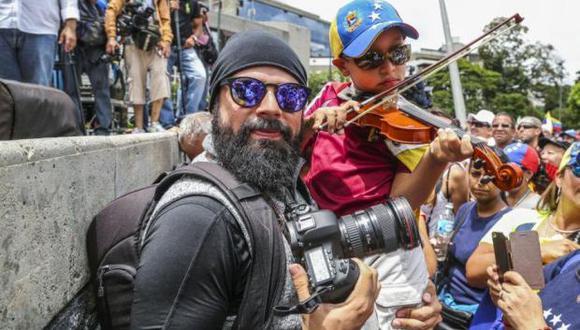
pixel 340 63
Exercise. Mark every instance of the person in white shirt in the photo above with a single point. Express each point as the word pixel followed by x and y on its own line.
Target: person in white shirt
pixel 29 31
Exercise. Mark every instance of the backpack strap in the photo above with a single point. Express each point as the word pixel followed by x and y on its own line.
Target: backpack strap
pixel 267 274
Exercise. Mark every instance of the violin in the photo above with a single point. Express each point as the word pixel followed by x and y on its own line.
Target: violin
pixel 401 121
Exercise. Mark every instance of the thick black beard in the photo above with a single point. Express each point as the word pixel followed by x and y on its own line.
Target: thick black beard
pixel 267 165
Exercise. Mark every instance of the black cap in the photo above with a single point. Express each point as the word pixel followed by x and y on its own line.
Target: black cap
pixel 254 48
pixel 560 144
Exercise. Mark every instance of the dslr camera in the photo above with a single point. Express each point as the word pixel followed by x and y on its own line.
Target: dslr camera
pixel 134 22
pixel 324 243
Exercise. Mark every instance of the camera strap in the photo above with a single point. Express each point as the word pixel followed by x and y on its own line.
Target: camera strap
pixel 308 306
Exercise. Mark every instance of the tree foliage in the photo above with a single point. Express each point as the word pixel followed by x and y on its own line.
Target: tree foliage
pixel 513 75
pixel 318 79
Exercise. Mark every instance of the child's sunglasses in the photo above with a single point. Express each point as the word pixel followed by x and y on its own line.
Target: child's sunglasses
pixel 249 92
pixel 372 59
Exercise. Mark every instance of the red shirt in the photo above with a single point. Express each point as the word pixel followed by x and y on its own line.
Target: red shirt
pixel 347 172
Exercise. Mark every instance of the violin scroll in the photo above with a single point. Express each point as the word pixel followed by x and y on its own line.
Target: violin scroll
pixel 505 176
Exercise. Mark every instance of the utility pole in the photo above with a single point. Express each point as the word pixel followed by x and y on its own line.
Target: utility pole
pixel 456 88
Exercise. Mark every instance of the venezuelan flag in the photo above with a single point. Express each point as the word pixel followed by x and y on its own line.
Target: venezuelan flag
pixel 553 122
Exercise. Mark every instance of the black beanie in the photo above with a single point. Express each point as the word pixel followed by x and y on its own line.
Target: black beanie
pixel 254 48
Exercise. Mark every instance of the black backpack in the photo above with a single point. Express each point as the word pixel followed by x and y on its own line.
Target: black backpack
pixel 29 111
pixel 114 245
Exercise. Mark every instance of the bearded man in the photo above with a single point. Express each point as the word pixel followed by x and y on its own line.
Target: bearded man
pixel 198 266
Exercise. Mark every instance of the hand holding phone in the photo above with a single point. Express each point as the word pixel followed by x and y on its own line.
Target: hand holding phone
pixel 521 253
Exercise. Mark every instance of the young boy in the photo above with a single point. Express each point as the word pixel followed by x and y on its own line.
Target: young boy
pixel 356 168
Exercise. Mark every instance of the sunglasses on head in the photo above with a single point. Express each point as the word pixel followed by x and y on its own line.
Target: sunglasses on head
pixel 372 59
pixel 575 167
pixel 249 92
pixel 501 125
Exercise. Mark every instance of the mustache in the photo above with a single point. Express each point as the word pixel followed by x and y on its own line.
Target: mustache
pixel 267 124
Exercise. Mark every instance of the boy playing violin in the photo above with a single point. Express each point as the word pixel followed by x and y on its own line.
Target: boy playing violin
pixel 353 168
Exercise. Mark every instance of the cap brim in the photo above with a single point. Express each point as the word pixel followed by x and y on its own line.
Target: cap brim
pixel 544 141
pixel 362 43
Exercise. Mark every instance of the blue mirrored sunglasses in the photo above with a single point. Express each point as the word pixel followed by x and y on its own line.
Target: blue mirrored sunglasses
pixel 249 92
pixel 575 166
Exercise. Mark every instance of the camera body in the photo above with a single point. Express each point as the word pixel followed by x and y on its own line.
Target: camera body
pixel 323 243
pixel 134 22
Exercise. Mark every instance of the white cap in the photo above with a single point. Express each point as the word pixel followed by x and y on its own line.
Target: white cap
pixel 483 116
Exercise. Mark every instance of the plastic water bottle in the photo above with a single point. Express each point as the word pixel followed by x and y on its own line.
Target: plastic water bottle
pixel 444 230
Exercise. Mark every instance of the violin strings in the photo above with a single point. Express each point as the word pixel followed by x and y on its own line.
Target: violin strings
pixel 434 68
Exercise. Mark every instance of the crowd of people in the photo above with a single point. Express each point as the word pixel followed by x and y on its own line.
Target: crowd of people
pixel 154 38
pixel 349 169
pixel 198 267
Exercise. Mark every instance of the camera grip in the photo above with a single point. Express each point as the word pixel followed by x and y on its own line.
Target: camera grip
pixel 347 275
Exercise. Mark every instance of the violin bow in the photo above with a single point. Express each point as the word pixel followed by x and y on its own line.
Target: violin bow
pixel 387 95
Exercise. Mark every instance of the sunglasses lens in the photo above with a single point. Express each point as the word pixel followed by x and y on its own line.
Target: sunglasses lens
pixel 292 97
pixel 400 55
pixel 370 60
pixel 247 92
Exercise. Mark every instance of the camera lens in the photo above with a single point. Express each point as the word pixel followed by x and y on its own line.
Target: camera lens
pixel 382 228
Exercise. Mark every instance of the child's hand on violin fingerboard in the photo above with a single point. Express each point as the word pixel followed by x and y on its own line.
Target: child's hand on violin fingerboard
pixel 447 147
pixel 331 119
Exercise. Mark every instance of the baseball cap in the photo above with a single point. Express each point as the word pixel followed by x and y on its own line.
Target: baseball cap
pixel 482 116
pixel 560 144
pixel 523 155
pixel 530 120
pixel 571 157
pixel 358 23
pixel 570 132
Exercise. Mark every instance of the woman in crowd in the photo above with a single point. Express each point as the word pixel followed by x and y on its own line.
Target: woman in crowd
pixel 472 221
pixel 555 307
pixel 557 220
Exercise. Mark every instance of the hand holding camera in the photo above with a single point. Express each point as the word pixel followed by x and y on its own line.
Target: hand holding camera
pixel 323 243
pixel 352 313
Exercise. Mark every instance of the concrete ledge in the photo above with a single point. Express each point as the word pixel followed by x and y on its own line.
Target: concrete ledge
pixel 49 191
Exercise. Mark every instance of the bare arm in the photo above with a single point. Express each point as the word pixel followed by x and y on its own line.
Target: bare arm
pixel 430 256
pixel 476 267
pixel 417 186
pixel 458 187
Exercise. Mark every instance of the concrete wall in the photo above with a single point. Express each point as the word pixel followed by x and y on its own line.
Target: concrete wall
pixel 49 191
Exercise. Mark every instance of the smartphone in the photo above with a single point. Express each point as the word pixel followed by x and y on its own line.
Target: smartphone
pixel 502 254
pixel 526 257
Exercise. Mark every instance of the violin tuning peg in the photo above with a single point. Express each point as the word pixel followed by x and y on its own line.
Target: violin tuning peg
pixel 478 163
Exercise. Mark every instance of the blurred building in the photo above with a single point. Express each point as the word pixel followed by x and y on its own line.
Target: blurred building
pixel 291 24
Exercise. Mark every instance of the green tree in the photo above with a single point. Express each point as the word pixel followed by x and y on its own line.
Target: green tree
pixel 318 79
pixel 480 86
pixel 512 73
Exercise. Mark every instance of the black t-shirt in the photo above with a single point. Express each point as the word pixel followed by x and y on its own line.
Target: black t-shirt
pixel 188 10
pixel 193 267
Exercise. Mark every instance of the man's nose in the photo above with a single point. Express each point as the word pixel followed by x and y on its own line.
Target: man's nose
pixel 269 105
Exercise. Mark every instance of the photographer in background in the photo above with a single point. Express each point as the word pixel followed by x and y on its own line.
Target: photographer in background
pixel 141 56
pixel 190 65
pixel 92 60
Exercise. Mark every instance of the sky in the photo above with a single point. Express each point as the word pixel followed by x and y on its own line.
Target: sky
pixel 555 22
